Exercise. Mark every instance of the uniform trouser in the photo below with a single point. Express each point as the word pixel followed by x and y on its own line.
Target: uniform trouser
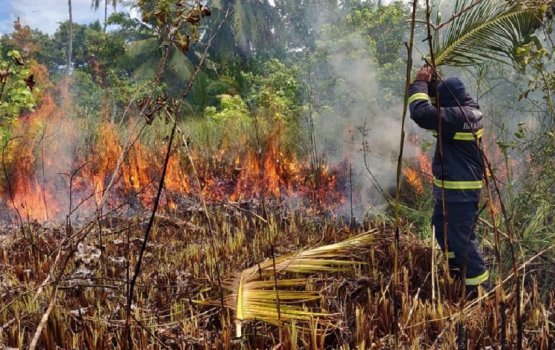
pixel 465 260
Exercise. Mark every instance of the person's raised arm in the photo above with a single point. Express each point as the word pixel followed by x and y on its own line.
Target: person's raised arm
pixel 422 111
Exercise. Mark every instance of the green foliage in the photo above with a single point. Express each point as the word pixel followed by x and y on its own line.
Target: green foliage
pixel 535 61
pixel 105 48
pixel 382 25
pixel 274 92
pixel 274 97
pixel 261 111
pixel 233 108
pixel 87 95
pixel 372 36
pixel 208 88
pixel 15 93
pixel 302 21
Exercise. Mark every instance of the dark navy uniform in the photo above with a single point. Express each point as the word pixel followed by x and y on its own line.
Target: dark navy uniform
pixel 460 176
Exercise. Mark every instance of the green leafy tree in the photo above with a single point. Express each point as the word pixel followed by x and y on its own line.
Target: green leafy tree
pixel 33 45
pixel 371 35
pixel 302 20
pixel 532 146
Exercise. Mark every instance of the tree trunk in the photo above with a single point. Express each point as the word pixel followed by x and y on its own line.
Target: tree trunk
pixel 70 42
pixel 105 14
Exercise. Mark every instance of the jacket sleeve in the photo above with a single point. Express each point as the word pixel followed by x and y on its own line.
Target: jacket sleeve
pixel 425 114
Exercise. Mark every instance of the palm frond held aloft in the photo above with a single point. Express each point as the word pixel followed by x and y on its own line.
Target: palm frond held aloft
pixel 492 29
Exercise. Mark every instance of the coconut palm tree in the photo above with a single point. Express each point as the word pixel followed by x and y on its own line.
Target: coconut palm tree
pixel 96 4
pixel 252 30
pixel 70 42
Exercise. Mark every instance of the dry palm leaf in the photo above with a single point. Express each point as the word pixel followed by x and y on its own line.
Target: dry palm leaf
pixel 254 297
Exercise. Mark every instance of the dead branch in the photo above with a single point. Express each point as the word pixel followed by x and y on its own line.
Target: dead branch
pixel 44 319
pixel 8 182
pixel 410 46
pixel 150 224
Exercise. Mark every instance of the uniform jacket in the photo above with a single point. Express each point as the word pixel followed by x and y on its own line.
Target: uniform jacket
pixel 462 129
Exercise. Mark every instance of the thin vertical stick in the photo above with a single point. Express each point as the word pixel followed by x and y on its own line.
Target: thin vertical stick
pixel 433 267
pixel 410 46
pixel 10 190
pixel 352 218
pixel 444 213
pixel 43 176
pixel 150 224
pixel 70 35
pixel 278 304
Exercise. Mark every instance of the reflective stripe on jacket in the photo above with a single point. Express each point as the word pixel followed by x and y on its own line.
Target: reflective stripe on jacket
pixel 462 129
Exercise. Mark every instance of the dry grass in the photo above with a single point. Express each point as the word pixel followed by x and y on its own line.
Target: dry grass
pixel 179 273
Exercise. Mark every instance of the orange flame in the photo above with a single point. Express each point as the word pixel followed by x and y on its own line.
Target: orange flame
pixel 419 174
pixel 63 160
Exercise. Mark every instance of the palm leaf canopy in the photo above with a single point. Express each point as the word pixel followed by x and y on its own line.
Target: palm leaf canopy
pixel 489 29
pixel 254 296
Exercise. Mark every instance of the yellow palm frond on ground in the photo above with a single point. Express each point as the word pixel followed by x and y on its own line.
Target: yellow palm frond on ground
pixel 254 296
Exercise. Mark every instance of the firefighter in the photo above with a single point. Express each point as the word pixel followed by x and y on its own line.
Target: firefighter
pixel 457 172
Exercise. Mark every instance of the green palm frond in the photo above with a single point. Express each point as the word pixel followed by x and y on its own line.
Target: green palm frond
pixel 240 21
pixel 144 55
pixel 254 297
pixel 493 29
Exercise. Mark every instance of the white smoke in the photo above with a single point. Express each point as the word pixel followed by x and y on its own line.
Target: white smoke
pixel 355 117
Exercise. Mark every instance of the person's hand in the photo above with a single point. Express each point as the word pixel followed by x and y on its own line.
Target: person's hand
pixel 425 74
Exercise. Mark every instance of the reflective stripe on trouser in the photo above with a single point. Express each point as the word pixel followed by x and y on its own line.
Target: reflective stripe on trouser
pixel 461 239
pixel 474 281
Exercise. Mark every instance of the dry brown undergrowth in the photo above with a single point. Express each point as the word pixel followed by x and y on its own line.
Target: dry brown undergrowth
pixel 179 273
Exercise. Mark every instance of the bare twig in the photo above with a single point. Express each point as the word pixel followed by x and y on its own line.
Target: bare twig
pixel 44 319
pixel 375 182
pixel 458 14
pixel 137 269
pixel 278 304
pixel 247 211
pixel 71 176
pixel 8 182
